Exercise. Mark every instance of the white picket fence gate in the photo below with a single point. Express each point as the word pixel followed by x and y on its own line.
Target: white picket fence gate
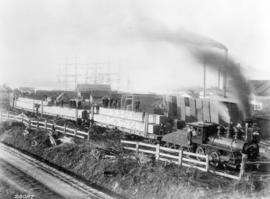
pixel 176 156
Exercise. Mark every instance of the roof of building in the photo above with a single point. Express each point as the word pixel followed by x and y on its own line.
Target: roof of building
pixel 260 87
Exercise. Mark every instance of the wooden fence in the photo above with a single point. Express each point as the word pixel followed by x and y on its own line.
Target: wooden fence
pixel 176 156
pixel 180 157
pixel 44 125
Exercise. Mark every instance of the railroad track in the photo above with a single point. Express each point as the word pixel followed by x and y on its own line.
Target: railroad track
pixel 24 182
pixel 71 181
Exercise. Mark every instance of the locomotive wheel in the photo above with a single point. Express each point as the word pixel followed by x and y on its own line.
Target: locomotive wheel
pixel 214 158
pixel 252 150
pixel 200 151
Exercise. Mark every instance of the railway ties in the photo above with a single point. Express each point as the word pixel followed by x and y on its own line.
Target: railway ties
pixel 91 192
pixel 27 183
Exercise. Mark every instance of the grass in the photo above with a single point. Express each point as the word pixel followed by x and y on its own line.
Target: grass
pixel 124 173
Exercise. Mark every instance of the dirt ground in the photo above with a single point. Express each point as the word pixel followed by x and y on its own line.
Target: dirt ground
pixel 8 191
pixel 102 161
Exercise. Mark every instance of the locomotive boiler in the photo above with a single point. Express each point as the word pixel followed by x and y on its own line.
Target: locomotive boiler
pixel 224 145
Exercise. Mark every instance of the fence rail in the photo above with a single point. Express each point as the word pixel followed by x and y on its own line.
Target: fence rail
pixel 176 156
pixel 180 157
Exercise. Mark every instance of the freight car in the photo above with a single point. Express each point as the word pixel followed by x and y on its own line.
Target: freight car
pixel 136 123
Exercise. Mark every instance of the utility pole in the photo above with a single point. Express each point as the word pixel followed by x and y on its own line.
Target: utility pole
pixel 204 79
pixel 219 68
pixel 95 73
pixel 59 79
pixel 225 74
pixel 76 73
pixel 86 73
pixel 66 80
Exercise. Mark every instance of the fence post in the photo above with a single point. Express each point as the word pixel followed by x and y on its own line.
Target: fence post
pixel 75 132
pixel 146 120
pixel 137 148
pixel 207 163
pixel 243 165
pixel 88 136
pixel 45 124
pixel 180 157
pixel 37 123
pixel 7 115
pixel 92 113
pixel 41 108
pixel 76 113
pixel 65 128
pixel 157 151
pixel 89 133
pixel 29 123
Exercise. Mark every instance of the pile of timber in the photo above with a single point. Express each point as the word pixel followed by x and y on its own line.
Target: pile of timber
pixel 137 121
pixel 217 110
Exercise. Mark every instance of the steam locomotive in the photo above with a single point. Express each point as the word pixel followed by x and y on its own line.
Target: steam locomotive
pixel 224 145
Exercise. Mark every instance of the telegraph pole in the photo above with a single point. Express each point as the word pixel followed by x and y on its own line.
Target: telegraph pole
pixel 66 81
pixel 225 74
pixel 86 74
pixel 204 79
pixel 219 77
pixel 76 73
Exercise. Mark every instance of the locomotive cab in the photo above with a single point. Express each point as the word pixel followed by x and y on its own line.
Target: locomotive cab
pixel 200 131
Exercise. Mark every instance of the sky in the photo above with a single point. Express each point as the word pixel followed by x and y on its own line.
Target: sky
pixel 38 37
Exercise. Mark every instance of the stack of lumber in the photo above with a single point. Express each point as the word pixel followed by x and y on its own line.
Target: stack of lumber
pixel 211 110
pixel 25 103
pixel 120 122
pixel 134 121
pixel 129 115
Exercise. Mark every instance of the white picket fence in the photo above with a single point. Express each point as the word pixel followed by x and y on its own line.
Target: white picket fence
pixel 176 156
pixel 43 125
pixel 180 157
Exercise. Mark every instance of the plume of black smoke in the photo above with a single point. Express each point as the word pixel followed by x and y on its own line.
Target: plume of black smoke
pixel 239 83
pixel 200 48
pixel 153 31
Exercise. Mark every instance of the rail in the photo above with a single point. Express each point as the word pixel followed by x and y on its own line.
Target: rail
pixel 181 157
